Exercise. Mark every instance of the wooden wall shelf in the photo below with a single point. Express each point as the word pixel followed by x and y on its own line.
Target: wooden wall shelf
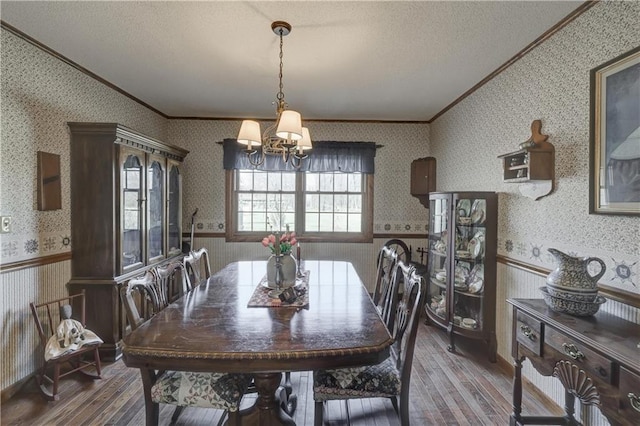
pixel 532 165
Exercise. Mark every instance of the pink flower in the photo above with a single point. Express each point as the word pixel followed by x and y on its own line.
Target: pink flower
pixel 281 243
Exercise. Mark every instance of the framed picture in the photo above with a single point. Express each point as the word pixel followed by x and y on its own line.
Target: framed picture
pixel 614 169
pixel 49 188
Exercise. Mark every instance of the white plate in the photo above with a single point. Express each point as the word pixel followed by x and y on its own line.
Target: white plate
pixel 463 208
pixel 477 273
pixel 476 286
pixel 478 211
pixel 469 323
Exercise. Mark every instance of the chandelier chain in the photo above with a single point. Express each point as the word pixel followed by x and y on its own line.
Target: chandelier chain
pixel 280 95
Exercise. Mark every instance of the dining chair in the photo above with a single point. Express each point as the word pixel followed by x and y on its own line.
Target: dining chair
pixel 390 378
pixel 47 316
pixel 196 268
pixel 223 391
pixel 170 280
pixel 383 292
pixel 401 249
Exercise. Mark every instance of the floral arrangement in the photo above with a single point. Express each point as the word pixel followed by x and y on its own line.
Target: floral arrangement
pixel 284 245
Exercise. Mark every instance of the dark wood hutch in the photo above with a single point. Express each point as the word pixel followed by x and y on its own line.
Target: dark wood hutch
pixel 126 217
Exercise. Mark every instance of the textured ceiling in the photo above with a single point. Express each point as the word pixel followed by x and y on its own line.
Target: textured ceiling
pixel 343 60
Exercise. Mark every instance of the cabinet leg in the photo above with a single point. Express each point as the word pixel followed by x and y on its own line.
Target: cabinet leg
pixel 493 347
pixel 569 408
pixel 517 391
pixel 452 343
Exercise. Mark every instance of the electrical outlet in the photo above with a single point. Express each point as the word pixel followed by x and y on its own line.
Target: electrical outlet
pixel 5 224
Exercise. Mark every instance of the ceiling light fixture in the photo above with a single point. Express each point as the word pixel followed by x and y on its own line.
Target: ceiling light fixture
pixel 290 139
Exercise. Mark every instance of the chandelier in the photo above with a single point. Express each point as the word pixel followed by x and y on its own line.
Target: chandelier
pixel 286 137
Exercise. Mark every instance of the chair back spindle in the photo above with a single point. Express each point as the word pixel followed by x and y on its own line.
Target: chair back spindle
pixel 140 299
pixel 196 268
pixel 165 281
pixel 407 318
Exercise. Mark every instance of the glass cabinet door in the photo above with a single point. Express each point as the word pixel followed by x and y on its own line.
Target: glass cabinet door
pixel 174 212
pixel 155 208
pixel 438 263
pixel 132 209
pixel 470 215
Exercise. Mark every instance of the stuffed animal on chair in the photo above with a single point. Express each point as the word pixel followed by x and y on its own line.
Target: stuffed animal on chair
pixel 69 336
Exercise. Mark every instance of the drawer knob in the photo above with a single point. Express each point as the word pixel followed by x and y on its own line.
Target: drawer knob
pixel 634 401
pixel 572 350
pixel 526 330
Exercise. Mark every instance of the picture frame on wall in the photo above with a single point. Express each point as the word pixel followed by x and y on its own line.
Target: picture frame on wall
pixel 614 150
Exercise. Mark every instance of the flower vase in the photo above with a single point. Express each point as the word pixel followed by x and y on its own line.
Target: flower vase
pixel 288 270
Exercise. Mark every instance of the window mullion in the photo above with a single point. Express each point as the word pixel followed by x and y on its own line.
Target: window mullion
pixel 300 203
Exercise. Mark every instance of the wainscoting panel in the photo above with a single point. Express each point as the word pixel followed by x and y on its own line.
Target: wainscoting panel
pixel 20 342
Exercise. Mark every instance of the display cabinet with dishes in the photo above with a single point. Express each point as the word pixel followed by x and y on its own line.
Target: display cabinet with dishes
pixel 461 267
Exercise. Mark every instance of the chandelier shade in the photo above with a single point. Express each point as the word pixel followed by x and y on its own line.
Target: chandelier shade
pixel 249 133
pixel 290 125
pixel 286 137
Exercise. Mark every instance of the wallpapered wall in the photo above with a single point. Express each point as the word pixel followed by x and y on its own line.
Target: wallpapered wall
pixel 551 83
pixel 395 210
pixel 40 94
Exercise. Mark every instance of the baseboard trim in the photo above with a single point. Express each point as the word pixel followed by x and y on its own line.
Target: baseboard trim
pixel 14 388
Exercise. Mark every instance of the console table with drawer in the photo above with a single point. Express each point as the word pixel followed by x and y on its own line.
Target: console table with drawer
pixel 597 360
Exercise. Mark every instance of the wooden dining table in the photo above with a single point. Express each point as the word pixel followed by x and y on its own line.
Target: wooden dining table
pixel 211 329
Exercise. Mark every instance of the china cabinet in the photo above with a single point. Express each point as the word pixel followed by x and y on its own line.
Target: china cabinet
pixel 126 216
pixel 461 265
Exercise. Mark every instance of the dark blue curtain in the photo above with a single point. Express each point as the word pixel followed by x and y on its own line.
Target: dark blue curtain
pixel 326 156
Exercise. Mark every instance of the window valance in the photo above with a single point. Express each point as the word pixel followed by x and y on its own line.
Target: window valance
pixel 326 156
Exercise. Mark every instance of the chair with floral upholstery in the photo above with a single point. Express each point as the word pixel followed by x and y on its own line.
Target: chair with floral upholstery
pixel 390 378
pixel 223 391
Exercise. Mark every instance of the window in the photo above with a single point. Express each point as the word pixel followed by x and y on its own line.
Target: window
pixel 330 198
pixel 266 200
pixel 333 202
pixel 319 206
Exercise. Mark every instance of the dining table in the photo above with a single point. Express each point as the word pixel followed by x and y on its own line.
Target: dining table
pixel 214 328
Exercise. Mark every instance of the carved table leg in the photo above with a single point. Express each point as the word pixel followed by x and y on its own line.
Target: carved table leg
pixel 517 392
pixel 267 409
pixel 151 410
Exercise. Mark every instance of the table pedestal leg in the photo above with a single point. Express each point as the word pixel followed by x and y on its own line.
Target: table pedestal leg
pixel 266 411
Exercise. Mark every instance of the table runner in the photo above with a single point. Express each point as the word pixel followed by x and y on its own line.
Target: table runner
pixel 260 297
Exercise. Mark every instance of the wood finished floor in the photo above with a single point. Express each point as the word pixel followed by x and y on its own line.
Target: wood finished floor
pixel 446 389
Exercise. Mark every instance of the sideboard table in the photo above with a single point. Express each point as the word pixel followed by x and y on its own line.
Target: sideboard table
pixel 597 360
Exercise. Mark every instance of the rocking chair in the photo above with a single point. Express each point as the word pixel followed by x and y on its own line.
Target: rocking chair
pixel 47 316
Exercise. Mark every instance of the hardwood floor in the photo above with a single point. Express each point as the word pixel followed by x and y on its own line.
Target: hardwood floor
pixel 446 389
